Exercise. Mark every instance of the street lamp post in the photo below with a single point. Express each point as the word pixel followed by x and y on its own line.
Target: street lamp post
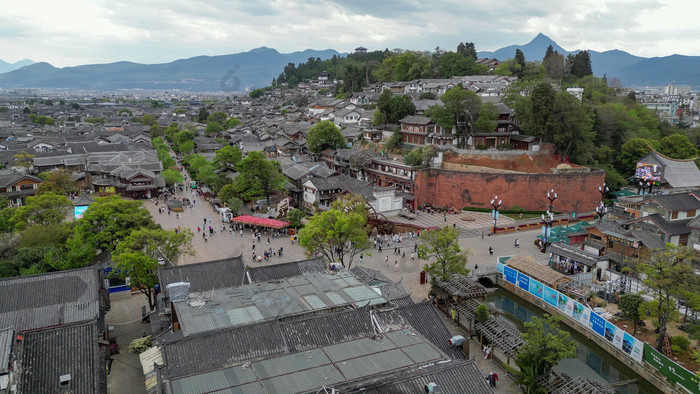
pixel 548 219
pixel 601 211
pixel 643 186
pixel 551 196
pixel 495 203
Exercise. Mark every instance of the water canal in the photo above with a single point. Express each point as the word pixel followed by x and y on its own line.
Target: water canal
pixel 592 361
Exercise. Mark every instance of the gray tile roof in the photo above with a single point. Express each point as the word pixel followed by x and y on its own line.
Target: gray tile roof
pixel 37 301
pixel 285 270
pixel 333 360
pixel 45 355
pixel 10 177
pixel 453 377
pixel 678 173
pixel 208 275
pixel 309 293
pixel 423 120
pixel 677 202
pixel 369 276
pixel 6 338
pixel 423 318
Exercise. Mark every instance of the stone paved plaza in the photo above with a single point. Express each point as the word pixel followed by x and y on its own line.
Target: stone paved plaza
pixel 223 245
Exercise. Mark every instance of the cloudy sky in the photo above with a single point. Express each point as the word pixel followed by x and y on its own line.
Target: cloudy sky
pixel 72 32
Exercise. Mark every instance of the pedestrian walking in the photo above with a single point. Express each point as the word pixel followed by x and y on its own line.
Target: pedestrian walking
pixel 253 246
pixel 444 216
pixel 360 258
pixel 403 254
pixel 412 255
pixel 241 232
pixel 415 248
pixel 380 250
pixel 386 261
pixel 491 250
pixel 396 265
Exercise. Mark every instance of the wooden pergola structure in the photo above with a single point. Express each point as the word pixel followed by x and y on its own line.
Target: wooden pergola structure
pixel 562 383
pixel 467 310
pixel 501 336
pixel 459 287
pixel 528 266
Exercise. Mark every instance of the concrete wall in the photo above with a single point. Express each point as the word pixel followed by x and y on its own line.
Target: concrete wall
pixel 578 191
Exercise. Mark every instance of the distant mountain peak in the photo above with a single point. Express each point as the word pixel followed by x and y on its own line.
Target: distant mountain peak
pixel 540 37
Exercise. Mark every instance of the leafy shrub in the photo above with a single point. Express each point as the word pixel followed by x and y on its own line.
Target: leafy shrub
pixel 481 147
pixel 679 341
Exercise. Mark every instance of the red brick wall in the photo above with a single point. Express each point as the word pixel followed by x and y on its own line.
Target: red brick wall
pixel 577 191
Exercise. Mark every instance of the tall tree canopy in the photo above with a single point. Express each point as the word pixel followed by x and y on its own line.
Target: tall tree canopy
pixel 258 177
pixel 340 233
pixel 442 246
pixel 324 135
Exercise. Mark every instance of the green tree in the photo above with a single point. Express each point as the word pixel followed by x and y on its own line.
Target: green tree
pixel 553 63
pixel 109 220
pixel 60 178
pixel 43 210
pixel 668 272
pixel 231 123
pixel 488 118
pixel 256 93
pixel 295 216
pixel 125 111
pixel 136 256
pixel 324 135
pixel 395 141
pixel 678 146
pixel 630 152
pixel 226 158
pixel 172 177
pixel 24 160
pixel 400 107
pixel 630 305
pixel 467 49
pixel 218 116
pixel 545 345
pixel 203 115
pixel 520 60
pixel 442 245
pixel 541 121
pixel 459 108
pixel 414 157
pixel 481 313
pixel 581 65
pixel 185 147
pixel 258 177
pixel 340 233
pixel 149 120
pixel 213 127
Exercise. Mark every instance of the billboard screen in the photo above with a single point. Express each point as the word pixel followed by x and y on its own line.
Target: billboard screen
pixel 648 172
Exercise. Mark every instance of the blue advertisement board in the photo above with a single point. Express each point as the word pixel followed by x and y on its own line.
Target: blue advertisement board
pixel 524 282
pixel 78 211
pixel 551 296
pixel 563 300
pixel 536 288
pixel 511 275
pixel 578 311
pixel 499 267
pixel 597 324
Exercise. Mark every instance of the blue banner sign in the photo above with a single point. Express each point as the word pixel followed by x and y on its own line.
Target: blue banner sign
pixel 524 282
pixel 510 274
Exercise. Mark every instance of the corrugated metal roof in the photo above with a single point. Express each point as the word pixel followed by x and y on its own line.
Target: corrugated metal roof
pixel 247 304
pixel 6 337
pixel 321 366
pixel 38 301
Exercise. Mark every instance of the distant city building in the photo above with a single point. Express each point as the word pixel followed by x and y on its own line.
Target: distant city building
pixel 677 90
pixel 577 92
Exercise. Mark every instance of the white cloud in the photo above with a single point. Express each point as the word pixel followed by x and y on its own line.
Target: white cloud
pixel 72 32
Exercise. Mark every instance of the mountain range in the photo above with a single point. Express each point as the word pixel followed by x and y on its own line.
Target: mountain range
pixel 234 72
pixel 257 68
pixel 633 71
pixel 7 67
